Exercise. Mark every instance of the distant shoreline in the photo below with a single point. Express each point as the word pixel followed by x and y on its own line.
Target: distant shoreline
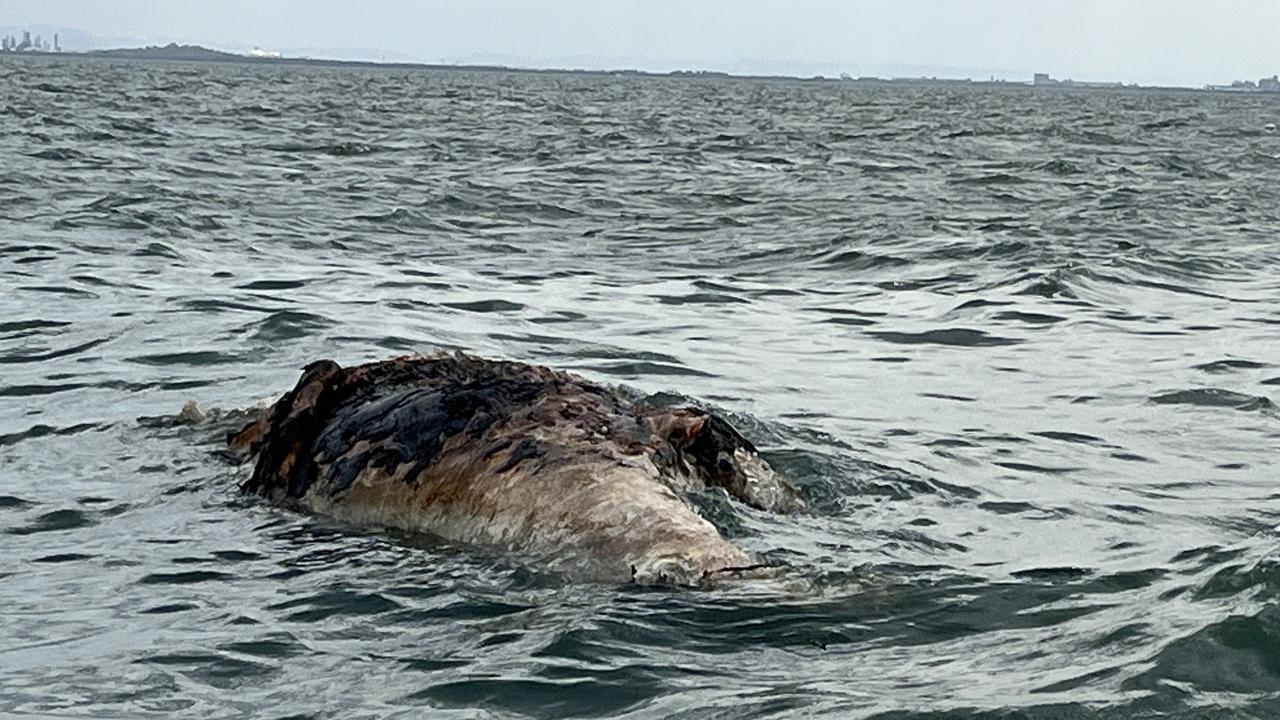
pixel 198 54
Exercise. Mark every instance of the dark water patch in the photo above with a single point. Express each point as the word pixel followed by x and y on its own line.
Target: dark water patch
pixel 273 285
pixel 1171 122
pixel 332 603
pixel 1028 467
pixel 1271 381
pixel 131 125
pixel 978 303
pixel 215 305
pixel 169 608
pixel 395 343
pixel 281 645
pixel 849 321
pixel 1070 437
pixel 990 179
pixel 255 109
pixel 928 283
pixel 845 259
pixel 235 556
pixel 191 358
pixel 951 442
pixel 703 298
pixel 113 220
pixel 162 385
pixel 1208 556
pixel 1189 168
pixel 12 502
pixel 944 396
pixel 59 290
pixel 40 431
pixel 430 665
pixel 560 693
pixel 55 521
pixel 157 249
pixel 58 154
pixel 847 312
pixel 1047 286
pixel 486 306
pixel 1079 681
pixel 1060 167
pixel 336 149
pixel 641 368
pixel 1147 282
pixel 616 353
pixel 1239 654
pixel 51 88
pixel 289 325
pixel 34 259
pixel 955 337
pixel 1229 365
pixel 1213 397
pixel 19 249
pixel 102 282
pixel 1053 574
pixel 189 577
pixel 59 558
pixel 1029 318
pixel 112 200
pixel 1235 577
pixel 93 500
pixel 215 670
pixel 830 482
pixel 38 390
pixel 1011 508
pixel 18 328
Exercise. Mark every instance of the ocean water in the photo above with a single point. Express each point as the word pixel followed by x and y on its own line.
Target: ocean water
pixel 1020 348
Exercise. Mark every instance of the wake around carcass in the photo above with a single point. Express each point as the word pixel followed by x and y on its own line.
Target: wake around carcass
pixel 514 456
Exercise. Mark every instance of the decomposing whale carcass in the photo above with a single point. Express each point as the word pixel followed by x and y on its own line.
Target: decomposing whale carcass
pixel 515 456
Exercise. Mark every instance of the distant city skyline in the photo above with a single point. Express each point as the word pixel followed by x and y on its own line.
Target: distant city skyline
pixel 1149 41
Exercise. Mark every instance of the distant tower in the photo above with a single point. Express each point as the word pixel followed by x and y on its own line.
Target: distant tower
pixel 38 45
pixel 56 46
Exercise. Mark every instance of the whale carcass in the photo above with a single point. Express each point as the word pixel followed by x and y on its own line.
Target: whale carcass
pixel 514 456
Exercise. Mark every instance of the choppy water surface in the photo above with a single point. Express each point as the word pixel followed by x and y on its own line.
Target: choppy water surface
pixel 1021 348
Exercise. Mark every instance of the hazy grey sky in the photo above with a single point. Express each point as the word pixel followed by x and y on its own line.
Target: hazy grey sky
pixel 1183 41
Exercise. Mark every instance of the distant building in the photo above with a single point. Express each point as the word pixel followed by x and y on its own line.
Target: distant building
pixel 1267 85
pixel 56 46
pixel 1044 80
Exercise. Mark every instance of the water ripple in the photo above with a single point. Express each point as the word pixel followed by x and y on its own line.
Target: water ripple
pixel 1016 346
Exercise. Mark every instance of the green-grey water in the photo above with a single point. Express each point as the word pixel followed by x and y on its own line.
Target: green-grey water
pixel 1019 347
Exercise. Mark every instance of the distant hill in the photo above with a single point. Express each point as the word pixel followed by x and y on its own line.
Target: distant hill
pixel 172 51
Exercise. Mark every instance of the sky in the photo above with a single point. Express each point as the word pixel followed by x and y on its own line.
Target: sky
pixel 1185 42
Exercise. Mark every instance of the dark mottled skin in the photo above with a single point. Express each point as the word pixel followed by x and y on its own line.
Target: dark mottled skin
pixel 449 429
